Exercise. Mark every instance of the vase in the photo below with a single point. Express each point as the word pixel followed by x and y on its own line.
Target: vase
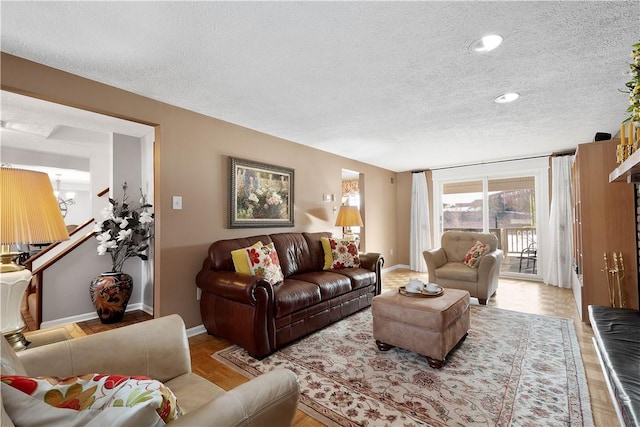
pixel 110 293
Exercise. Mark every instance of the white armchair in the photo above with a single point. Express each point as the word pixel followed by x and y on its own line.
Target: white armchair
pixel 158 349
pixel 447 269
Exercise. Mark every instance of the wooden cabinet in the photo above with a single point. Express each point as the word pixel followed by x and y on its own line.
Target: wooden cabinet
pixel 605 222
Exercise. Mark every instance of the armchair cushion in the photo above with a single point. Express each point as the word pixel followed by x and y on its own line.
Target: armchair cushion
pixel 475 252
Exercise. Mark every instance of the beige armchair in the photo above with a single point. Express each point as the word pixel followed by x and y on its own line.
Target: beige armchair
pixel 158 349
pixel 447 269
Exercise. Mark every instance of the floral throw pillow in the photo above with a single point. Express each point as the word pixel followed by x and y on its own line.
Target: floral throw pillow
pixel 478 250
pixel 264 262
pixel 99 392
pixel 239 257
pixel 344 254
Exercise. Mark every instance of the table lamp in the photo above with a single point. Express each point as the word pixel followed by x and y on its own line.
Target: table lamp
pixel 349 216
pixel 29 214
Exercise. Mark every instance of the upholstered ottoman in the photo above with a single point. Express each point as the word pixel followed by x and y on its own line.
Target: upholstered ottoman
pixel 428 326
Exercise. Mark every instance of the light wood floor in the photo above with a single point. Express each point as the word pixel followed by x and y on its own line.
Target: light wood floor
pixel 524 296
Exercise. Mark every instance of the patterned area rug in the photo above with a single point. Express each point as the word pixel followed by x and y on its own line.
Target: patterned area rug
pixel 514 369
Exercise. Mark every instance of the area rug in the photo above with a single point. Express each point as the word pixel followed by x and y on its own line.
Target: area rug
pixel 514 369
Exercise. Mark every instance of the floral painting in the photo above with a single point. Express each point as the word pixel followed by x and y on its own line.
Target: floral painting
pixel 261 195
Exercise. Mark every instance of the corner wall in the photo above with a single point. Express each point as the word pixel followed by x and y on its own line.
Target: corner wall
pixel 191 160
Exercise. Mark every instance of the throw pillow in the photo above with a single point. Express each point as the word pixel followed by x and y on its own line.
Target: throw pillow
pixel 478 250
pixel 97 392
pixel 264 262
pixel 344 253
pixel 240 261
pixel 328 258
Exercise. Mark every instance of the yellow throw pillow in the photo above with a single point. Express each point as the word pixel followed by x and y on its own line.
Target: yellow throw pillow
pixel 328 258
pixel 240 261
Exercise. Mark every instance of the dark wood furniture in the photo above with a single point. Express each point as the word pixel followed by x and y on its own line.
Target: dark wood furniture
pixel 604 215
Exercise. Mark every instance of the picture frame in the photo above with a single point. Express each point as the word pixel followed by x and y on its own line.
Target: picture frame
pixel 260 194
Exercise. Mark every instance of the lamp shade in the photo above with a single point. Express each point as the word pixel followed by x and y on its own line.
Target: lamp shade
pixel 349 216
pixel 29 211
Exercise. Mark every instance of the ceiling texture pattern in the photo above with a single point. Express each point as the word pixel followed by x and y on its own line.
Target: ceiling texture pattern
pixel 391 84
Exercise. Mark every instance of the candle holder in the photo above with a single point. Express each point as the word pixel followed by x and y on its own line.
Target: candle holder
pixel 615 275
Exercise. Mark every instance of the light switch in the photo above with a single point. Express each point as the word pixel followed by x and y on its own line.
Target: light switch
pixel 177 202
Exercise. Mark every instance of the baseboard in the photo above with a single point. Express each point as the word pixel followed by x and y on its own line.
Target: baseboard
pixel 395 267
pixel 196 330
pixel 90 316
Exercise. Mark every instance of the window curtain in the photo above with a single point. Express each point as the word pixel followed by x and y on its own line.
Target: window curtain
pixel 420 238
pixel 559 254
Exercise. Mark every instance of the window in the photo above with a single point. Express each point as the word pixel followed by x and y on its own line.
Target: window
pixel 504 199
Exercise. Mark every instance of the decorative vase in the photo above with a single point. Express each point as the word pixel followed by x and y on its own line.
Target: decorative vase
pixel 110 293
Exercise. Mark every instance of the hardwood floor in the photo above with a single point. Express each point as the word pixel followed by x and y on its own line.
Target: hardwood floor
pixel 524 296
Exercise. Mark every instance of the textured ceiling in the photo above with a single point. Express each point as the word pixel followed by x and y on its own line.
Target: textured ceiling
pixel 392 84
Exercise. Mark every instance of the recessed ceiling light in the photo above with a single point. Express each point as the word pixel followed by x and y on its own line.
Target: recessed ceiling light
pixel 486 43
pixel 507 97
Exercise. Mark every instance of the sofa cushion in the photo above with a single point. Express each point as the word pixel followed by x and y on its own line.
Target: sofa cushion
pixel 478 250
pixel 293 295
pixel 264 262
pixel 330 284
pixel 92 392
pixel 240 260
pixel 344 253
pixel 360 277
pixel 294 253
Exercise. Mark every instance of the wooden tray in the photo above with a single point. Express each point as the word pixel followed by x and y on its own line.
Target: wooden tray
pixel 423 294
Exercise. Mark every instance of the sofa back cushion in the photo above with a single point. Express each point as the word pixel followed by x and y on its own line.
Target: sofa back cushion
pixel 456 244
pixel 295 253
pixel 220 251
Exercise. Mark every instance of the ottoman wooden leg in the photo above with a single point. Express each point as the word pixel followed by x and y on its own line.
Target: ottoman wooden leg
pixel 383 346
pixel 437 364
pixel 434 363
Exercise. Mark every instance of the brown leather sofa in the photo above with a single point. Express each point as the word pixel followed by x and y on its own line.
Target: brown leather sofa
pixel 260 317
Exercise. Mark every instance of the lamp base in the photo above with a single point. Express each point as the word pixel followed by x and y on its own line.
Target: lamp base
pixel 16 340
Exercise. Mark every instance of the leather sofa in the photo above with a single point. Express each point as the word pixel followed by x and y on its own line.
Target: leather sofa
pixel 617 342
pixel 447 269
pixel 261 318
pixel 158 349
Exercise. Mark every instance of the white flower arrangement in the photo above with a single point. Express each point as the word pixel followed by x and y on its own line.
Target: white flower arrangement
pixel 125 231
pixel 633 86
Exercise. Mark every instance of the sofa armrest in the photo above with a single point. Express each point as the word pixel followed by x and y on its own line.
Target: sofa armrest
pixel 489 273
pixel 373 261
pixel 270 399
pixel 157 348
pixel 231 285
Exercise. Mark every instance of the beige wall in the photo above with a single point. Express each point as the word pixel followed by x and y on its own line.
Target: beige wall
pixel 191 154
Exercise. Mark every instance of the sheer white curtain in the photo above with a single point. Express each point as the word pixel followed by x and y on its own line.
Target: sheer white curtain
pixel 420 238
pixel 559 253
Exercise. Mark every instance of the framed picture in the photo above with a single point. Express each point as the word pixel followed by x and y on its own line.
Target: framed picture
pixel 260 195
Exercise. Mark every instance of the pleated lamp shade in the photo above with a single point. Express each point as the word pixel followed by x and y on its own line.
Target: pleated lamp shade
pixel 29 211
pixel 349 216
